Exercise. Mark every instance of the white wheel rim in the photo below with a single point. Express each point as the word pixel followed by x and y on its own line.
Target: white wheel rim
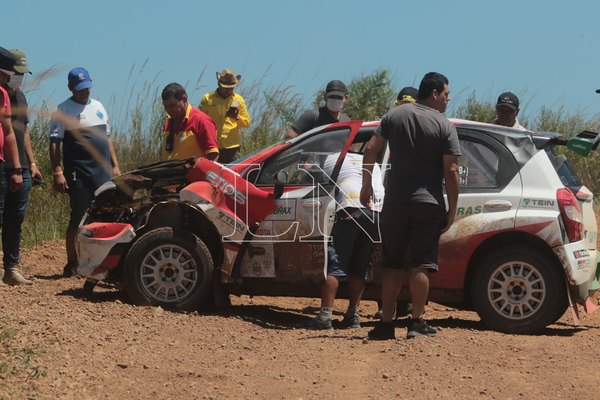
pixel 169 273
pixel 516 290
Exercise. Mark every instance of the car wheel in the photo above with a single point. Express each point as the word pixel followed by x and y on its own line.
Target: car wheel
pixel 168 268
pixel 519 290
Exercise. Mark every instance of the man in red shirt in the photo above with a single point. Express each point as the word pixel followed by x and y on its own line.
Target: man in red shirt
pixel 188 131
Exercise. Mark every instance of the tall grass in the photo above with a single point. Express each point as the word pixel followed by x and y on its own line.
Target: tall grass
pixel 137 131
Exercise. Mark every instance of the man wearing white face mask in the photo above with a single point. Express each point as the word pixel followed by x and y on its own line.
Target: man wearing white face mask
pixel 336 95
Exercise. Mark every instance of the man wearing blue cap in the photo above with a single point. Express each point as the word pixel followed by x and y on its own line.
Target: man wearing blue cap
pixel 80 123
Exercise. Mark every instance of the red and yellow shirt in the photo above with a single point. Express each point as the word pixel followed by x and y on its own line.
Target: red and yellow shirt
pixel 195 136
pixel 228 129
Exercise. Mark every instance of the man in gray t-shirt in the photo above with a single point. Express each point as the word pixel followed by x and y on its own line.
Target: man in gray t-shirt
pixel 423 152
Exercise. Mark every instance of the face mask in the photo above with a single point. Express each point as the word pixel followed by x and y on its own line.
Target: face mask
pixel 16 81
pixel 334 105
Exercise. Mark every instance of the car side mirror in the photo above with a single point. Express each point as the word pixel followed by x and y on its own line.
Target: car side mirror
pixel 280 180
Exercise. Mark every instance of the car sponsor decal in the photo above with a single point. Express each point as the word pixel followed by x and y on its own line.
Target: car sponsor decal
pixel 230 221
pixel 538 203
pixel 580 253
pixel 469 210
pixel 584 264
pixel 225 186
pixel 285 210
pixel 463 173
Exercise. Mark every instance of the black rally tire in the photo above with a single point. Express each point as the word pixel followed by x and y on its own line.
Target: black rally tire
pixel 168 268
pixel 519 290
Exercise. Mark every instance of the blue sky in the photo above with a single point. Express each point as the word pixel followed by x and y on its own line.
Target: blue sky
pixel 545 52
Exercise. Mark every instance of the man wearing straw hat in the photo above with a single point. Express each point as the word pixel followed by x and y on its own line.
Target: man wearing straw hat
pixel 228 111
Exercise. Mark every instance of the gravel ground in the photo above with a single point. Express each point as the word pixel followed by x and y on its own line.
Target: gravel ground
pixel 55 343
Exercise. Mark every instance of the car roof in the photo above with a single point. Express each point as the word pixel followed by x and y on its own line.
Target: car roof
pixel 522 144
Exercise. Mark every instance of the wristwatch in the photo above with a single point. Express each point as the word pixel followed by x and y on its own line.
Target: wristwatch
pixel 16 171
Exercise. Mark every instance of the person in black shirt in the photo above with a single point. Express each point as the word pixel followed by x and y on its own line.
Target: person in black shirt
pixel 336 95
pixel 14 202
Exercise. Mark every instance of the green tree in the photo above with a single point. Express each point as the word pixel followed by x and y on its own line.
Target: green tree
pixel 474 109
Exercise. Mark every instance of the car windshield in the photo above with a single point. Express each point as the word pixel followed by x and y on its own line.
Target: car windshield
pixel 249 155
pixel 563 168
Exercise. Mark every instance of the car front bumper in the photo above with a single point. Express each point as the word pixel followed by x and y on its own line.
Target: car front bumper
pixel 95 245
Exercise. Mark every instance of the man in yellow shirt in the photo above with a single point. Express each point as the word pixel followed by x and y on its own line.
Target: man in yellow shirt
pixel 229 112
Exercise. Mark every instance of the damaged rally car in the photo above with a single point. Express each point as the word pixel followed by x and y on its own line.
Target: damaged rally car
pixel 180 234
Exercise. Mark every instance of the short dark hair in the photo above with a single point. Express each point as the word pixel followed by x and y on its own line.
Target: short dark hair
pixel 430 82
pixel 173 89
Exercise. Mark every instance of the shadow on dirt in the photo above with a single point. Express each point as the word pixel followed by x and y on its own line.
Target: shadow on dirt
pixel 273 317
pixel 97 296
pixel 54 277
pixel 265 316
pixel 281 318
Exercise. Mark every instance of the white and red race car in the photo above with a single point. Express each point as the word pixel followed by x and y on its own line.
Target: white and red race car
pixel 522 248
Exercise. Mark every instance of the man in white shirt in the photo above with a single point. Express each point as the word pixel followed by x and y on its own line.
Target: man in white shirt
pixel 353 233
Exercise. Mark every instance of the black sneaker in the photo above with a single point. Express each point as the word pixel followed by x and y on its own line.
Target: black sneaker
pixel 351 321
pixel 382 331
pixel 418 327
pixel 68 271
pixel 318 324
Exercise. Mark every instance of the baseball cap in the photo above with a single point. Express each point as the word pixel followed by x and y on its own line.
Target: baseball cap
pixel 408 94
pixel 21 63
pixel 7 61
pixel 79 79
pixel 508 99
pixel 336 86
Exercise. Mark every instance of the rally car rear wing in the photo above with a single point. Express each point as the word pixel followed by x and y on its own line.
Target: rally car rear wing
pixel 582 143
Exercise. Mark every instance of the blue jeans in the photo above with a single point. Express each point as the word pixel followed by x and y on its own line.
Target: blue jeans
pixel 12 208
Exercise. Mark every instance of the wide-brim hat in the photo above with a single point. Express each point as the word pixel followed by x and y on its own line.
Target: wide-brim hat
pixel 228 78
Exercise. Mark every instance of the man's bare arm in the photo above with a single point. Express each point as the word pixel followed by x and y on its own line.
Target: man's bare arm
pixel 374 146
pixel 452 180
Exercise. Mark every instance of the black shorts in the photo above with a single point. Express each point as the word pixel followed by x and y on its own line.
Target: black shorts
pixel 353 234
pixel 410 234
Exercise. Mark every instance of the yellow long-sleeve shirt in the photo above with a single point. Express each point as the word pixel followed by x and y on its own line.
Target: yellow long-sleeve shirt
pixel 228 129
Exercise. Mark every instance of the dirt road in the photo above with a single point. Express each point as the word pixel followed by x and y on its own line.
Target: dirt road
pixel 55 343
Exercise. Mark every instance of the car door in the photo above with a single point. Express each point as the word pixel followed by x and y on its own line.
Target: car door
pixel 490 192
pixel 290 245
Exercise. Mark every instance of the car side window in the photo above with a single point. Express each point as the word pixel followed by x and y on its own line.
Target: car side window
pixel 304 162
pixel 478 165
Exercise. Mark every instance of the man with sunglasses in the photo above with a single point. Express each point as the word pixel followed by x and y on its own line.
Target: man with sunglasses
pixel 336 95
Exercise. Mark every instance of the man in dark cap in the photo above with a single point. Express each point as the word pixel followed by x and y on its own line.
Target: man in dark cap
pixel 8 145
pixel 507 109
pixel 336 95
pixel 15 202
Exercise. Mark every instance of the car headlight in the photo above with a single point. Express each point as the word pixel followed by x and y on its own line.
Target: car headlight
pixel 110 185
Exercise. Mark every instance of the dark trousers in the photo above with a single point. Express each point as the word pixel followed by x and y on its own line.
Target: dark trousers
pixel 228 155
pixel 13 206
